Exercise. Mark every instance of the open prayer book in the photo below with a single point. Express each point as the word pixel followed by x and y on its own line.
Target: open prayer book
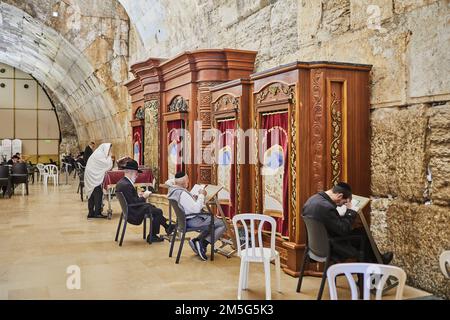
pixel 211 190
pixel 358 202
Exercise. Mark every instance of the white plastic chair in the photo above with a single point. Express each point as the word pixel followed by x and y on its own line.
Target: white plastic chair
pixel 444 262
pixel 41 170
pixel 374 275
pixel 256 253
pixel 51 171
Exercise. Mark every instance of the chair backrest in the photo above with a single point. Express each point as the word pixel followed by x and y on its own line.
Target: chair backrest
pixel 51 169
pixel 252 248
pixel 40 167
pixel 19 168
pixel 444 262
pixel 375 277
pixel 318 241
pixel 4 171
pixel 181 216
pixel 123 203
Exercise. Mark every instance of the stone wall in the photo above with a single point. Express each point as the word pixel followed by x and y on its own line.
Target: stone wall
pixel 410 185
pixel 407 42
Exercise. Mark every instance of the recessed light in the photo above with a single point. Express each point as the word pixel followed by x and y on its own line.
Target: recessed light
pixel 55 13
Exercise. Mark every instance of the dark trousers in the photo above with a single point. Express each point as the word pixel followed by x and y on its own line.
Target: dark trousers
pixel 158 220
pixel 95 201
pixel 369 256
pixel 349 249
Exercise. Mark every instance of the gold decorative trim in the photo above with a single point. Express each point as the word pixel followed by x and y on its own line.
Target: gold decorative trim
pixel 237 160
pixel 255 125
pixel 225 100
pixel 151 110
pixel 274 90
pixel 293 159
pixel 178 104
pixel 336 125
pixel 317 131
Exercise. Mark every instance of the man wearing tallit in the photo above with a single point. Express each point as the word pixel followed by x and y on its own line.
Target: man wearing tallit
pixel 98 164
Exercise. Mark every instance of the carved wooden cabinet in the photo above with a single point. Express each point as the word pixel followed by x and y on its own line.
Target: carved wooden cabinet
pixel 177 92
pixel 231 103
pixel 311 122
pixel 322 109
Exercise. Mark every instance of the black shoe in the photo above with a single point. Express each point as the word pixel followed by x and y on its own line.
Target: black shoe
pixel 100 216
pixel 193 246
pixel 201 250
pixel 90 216
pixel 154 239
pixel 170 229
pixel 387 257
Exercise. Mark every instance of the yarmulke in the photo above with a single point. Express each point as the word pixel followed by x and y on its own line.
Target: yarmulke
pixel 180 174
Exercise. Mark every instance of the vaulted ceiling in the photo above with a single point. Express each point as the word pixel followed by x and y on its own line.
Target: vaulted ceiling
pixel 81 56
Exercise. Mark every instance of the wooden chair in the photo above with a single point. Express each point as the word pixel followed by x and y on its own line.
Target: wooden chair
pixel 374 276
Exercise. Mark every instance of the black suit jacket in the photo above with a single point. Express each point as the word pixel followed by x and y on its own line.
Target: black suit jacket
pixel 322 208
pixel 87 153
pixel 137 206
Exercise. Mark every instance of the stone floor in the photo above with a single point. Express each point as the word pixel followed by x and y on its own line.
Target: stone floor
pixel 44 233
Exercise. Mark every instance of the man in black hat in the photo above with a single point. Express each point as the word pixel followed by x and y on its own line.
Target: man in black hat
pixel 136 213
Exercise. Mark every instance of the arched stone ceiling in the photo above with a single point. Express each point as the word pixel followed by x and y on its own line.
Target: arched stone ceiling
pixel 76 78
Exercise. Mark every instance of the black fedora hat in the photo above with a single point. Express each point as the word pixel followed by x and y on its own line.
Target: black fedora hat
pixel 131 165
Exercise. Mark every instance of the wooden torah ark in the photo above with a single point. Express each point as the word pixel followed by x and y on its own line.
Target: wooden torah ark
pixel 178 89
pixel 231 101
pixel 328 132
pixel 327 107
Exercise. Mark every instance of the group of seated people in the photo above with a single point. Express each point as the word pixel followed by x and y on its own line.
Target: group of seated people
pixel 321 206
pixel 191 205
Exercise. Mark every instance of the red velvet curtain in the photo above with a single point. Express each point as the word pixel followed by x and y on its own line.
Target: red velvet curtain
pixel 174 135
pixel 226 129
pixel 277 128
pixel 138 152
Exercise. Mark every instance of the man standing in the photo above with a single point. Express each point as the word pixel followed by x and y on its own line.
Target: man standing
pixel 136 212
pixel 323 207
pixel 88 151
pixel 192 206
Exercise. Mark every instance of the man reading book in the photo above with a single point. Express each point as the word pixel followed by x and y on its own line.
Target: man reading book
pixel 136 213
pixel 323 207
pixel 192 206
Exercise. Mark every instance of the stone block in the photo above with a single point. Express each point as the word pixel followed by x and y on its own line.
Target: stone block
pixel 367 13
pixel 417 234
pixel 439 153
pixel 428 51
pixel 398 152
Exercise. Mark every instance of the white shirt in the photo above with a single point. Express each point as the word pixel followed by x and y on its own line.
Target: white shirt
pixel 189 204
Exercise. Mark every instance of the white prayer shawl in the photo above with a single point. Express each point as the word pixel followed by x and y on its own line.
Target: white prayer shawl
pixel 97 166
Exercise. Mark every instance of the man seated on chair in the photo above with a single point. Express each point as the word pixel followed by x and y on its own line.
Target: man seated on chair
pixel 136 214
pixel 192 206
pixel 323 207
